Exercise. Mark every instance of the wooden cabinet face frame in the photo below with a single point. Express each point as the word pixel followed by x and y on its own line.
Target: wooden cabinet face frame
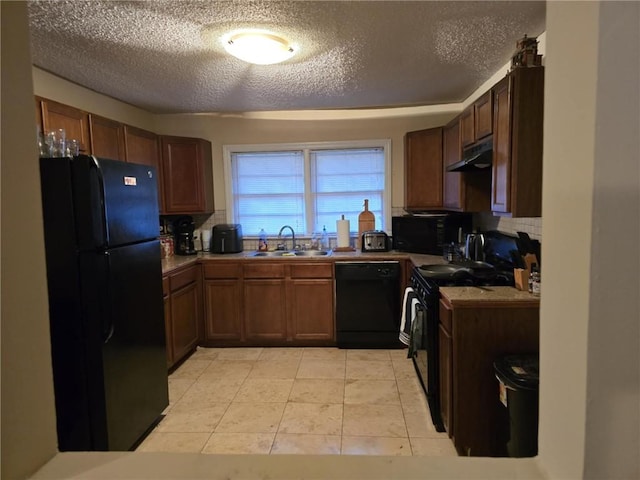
pixel 501 168
pixel 423 169
pixel 467 127
pixel 223 311
pixel 183 307
pixel 483 116
pixel 477 334
pixel 269 303
pixel 75 122
pixel 517 143
pixel 452 181
pixel 187 175
pixel 107 138
pixel 143 147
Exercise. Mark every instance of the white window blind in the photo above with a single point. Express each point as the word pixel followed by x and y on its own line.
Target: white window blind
pixel 268 190
pixel 341 180
pixel 306 186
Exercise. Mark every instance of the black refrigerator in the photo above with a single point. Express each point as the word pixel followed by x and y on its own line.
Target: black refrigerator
pixel 106 315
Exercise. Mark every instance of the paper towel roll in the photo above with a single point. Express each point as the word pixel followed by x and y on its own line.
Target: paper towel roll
pixel 342 227
pixel 205 236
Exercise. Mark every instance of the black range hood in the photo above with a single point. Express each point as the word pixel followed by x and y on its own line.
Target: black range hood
pixel 474 158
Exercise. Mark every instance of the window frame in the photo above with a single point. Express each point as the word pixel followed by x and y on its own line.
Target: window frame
pixel 306 147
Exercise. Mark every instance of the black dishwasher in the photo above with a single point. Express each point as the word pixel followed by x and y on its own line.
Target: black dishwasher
pixel 368 304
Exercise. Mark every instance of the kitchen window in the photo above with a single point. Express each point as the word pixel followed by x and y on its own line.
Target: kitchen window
pixel 307 186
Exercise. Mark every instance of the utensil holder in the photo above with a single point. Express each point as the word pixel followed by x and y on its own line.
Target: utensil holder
pixel 521 278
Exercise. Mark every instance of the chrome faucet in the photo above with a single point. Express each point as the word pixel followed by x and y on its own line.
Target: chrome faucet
pixel 293 236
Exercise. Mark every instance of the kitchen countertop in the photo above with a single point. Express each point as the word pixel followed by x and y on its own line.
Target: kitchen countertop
pixel 488 296
pixel 174 262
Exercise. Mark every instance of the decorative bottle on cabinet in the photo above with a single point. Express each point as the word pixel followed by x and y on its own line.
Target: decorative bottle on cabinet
pixel 366 222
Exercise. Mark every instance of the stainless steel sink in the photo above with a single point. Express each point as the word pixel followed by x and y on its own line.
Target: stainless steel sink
pixel 312 253
pixel 295 253
pixel 273 253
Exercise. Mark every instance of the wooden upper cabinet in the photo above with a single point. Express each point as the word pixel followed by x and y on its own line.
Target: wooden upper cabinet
pixel 476 121
pixel 423 169
pixel 187 175
pixel 483 116
pixel 142 147
pixel 501 169
pixel 517 143
pixel 451 185
pixel 107 138
pixel 75 122
pixel 467 127
pixel 39 116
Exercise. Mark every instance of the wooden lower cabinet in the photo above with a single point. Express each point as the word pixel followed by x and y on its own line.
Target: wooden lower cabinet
pixel 265 311
pixel 166 296
pixel 472 337
pixel 310 300
pixel 268 303
pixel 223 303
pixel 183 313
pixel 445 344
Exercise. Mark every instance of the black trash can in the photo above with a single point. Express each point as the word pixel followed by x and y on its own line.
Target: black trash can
pixel 519 377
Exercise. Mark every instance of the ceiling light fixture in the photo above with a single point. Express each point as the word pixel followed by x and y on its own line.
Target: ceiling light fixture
pixel 258 47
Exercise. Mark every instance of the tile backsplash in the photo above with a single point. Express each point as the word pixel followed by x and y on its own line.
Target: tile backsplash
pixel 481 221
pixel 487 221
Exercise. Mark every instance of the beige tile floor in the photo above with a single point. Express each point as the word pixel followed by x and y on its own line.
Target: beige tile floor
pixel 297 400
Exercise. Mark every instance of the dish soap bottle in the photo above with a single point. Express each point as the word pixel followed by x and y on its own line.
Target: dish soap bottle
pixel 324 239
pixel 262 242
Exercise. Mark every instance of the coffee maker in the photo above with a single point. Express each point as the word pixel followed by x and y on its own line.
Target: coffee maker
pixel 183 228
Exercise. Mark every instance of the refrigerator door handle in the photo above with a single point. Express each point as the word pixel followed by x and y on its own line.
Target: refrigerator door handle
pixel 103 216
pixel 107 320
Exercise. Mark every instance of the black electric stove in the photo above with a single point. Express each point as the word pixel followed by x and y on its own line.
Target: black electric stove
pixel 426 280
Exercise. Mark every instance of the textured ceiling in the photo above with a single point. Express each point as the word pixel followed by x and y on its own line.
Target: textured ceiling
pixel 165 56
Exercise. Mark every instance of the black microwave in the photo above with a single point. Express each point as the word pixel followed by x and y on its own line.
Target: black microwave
pixel 428 232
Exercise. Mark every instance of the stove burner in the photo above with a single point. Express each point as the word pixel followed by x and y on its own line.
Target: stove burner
pixel 464 275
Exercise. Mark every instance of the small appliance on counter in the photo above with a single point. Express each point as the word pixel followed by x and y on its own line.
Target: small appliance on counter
pixel 428 232
pixel 183 228
pixel 226 238
pixel 474 247
pixel 375 241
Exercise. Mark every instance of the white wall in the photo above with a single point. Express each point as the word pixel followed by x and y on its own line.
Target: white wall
pixel 28 414
pixel 55 88
pixel 589 397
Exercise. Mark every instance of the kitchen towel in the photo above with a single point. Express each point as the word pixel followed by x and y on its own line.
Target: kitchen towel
pixel 409 305
pixel 343 227
pixel 415 338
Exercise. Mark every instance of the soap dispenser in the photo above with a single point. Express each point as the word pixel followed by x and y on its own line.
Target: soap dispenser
pixel 262 241
pixel 324 240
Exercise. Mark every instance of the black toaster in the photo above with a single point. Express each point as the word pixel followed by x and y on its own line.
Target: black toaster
pixel 226 238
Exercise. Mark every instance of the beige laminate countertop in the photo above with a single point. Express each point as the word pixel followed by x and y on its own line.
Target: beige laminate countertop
pixel 496 296
pixel 177 261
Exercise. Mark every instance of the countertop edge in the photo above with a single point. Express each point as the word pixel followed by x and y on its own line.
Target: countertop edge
pixel 175 262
